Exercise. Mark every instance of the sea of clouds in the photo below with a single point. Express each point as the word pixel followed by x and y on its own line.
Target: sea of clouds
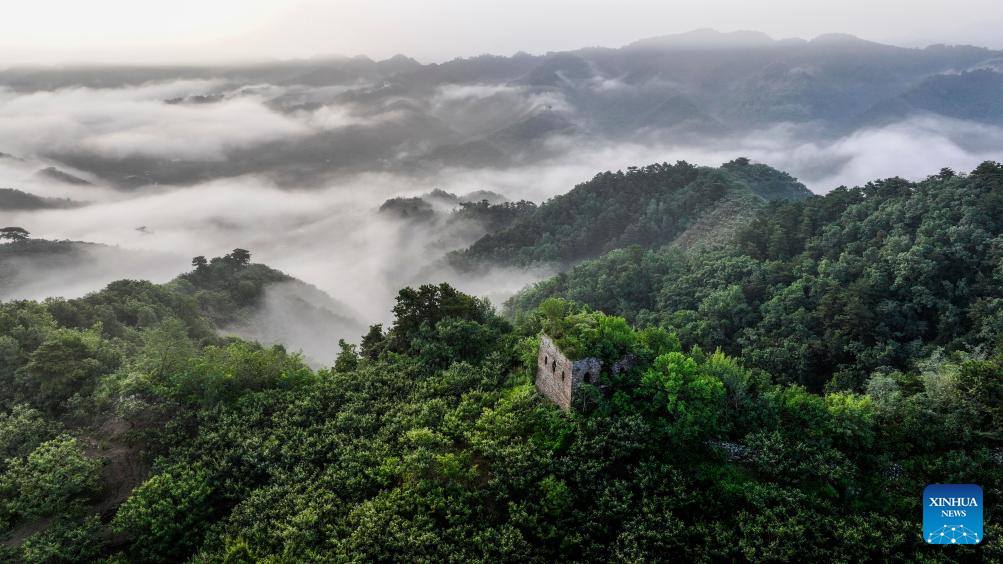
pixel 327 230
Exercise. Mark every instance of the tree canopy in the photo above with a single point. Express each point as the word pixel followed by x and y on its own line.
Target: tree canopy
pixel 648 206
pixel 14 233
pixel 827 290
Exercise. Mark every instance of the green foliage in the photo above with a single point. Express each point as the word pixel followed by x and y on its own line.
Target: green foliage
pixel 658 341
pixel 691 398
pixel 580 333
pixel 21 430
pixel 418 310
pixel 65 540
pixel 439 325
pixel 823 291
pixel 980 387
pixel 51 478
pixel 165 514
pixel 67 362
pixel 348 359
pixel 223 374
pixel 433 453
pixel 165 350
pixel 494 217
pixel 373 343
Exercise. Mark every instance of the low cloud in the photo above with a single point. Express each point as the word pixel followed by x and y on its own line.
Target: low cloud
pixel 117 123
pixel 329 232
pixel 913 148
pixel 339 116
pixel 300 317
pixel 330 236
pixel 75 270
pixel 484 108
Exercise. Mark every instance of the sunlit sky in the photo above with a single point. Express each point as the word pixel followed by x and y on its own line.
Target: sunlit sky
pixel 164 31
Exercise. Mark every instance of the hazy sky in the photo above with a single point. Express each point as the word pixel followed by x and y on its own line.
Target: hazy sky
pixel 59 31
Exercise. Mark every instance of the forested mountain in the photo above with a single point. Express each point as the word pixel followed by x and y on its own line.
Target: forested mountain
pixel 256 302
pixel 975 95
pixel 132 432
pixel 855 341
pixel 448 351
pixel 648 206
pixel 253 301
pixel 827 290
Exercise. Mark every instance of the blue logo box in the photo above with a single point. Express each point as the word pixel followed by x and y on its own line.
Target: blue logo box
pixel 952 514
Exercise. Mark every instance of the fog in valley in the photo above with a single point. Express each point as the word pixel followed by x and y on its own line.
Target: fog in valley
pixel 294 161
pixel 471 281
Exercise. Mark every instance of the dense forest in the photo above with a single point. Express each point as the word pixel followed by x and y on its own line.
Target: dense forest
pixel 790 395
pixel 647 206
pixel 828 290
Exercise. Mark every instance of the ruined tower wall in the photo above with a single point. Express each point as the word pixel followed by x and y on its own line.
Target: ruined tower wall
pixel 554 373
pixel 558 377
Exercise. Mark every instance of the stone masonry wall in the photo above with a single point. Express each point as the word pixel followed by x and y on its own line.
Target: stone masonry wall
pixel 558 377
pixel 554 373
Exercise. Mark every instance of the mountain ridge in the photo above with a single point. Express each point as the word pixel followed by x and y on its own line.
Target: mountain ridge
pixel 405 116
pixel 648 206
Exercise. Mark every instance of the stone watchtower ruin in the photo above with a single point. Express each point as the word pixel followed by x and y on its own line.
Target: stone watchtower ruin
pixel 559 377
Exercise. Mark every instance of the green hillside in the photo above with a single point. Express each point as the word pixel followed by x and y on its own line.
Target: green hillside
pixel 826 290
pixel 855 360
pixel 144 437
pixel 649 206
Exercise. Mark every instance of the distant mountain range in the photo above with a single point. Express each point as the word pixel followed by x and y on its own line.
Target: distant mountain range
pixel 490 110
